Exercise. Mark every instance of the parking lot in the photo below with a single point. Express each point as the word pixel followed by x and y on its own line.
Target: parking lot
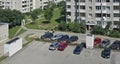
pixel 38 53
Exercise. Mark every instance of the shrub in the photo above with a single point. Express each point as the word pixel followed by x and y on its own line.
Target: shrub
pixel 114 33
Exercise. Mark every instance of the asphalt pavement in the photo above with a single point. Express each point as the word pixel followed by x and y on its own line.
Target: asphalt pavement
pixel 37 53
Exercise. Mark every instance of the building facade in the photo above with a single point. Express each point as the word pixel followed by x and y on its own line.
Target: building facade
pixel 25 5
pixel 4 31
pixel 93 12
pixel 21 5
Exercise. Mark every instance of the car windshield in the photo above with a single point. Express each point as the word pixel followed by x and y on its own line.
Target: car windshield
pixel 51 45
pixel 104 42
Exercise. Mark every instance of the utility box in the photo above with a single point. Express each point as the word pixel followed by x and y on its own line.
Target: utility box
pixel 89 41
pixel 12 46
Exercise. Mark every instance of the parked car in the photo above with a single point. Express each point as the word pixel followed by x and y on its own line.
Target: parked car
pixel 106 53
pixel 47 35
pixel 104 43
pixel 97 41
pixel 62 46
pixel 73 38
pixel 115 45
pixel 64 38
pixel 78 48
pixel 56 37
pixel 53 45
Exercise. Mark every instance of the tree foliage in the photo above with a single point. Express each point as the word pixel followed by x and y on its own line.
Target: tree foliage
pixel 114 33
pixel 35 13
pixel 98 30
pixel 61 4
pixel 62 26
pixel 48 14
pixel 13 17
pixel 73 27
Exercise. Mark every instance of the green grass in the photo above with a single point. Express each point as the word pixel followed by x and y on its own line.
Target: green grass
pixel 21 31
pixel 39 25
pixel 12 31
pixel 2 58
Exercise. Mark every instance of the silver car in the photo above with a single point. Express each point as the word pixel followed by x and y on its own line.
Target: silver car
pixel 56 37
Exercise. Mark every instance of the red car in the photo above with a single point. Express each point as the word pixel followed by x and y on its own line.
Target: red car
pixel 62 46
pixel 97 41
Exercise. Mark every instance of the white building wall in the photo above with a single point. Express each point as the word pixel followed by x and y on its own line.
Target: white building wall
pixel 89 41
pixel 4 31
pixel 13 47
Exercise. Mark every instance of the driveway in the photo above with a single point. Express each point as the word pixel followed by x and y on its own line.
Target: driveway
pixel 38 53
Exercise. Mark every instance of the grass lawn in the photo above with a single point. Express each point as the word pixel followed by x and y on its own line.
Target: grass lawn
pixel 13 31
pixel 39 25
pixel 21 31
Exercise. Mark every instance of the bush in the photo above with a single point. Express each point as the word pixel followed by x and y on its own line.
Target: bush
pixel 63 26
pixel 98 30
pixel 114 33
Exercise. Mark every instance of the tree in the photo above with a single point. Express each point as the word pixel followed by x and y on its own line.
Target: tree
pixel 62 26
pixel 63 11
pixel 35 13
pixel 51 5
pixel 71 26
pixel 98 30
pixel 13 17
pixel 48 14
pixel 114 33
pixel 61 4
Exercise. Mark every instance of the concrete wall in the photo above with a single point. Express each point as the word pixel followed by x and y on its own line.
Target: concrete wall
pixel 12 46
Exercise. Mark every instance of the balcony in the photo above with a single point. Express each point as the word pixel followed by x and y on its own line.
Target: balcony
pixel 68 3
pixel 91 23
pixel 116 11
pixel 82 10
pixel 68 10
pixel 116 3
pixel 82 18
pixel 81 3
pixel 98 18
pixel 116 18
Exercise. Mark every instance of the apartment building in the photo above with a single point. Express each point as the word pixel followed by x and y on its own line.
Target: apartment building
pixel 21 5
pixel 25 5
pixel 93 12
pixel 3 31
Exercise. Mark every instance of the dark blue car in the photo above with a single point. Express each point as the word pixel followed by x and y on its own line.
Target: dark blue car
pixel 78 49
pixel 104 43
pixel 47 35
pixel 106 53
pixel 64 38
pixel 73 38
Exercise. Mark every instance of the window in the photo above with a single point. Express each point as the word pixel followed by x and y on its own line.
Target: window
pixel 108 7
pixel 116 7
pixel 90 15
pixel 98 0
pixel 116 22
pixel 82 7
pixel 116 0
pixel 98 7
pixel 82 0
pixel 98 14
pixel 90 0
pixel 77 7
pixel 68 0
pixel 116 14
pixel 107 0
pixel 68 6
pixel 90 7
